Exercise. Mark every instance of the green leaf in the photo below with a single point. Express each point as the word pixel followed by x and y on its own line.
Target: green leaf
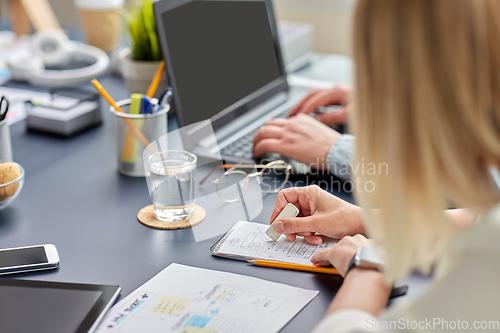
pixel 141 28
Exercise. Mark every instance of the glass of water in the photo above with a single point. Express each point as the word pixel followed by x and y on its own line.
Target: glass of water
pixel 173 181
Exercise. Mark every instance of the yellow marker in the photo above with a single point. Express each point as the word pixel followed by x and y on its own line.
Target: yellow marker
pixel 223 294
pixel 132 126
pixel 156 80
pixel 296 267
pixel 130 143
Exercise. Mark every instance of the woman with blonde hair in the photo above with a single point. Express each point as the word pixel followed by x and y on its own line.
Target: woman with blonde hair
pixel 426 103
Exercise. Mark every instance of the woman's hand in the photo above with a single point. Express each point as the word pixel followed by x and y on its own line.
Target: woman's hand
pixel 341 253
pixel 339 95
pixel 363 289
pixel 320 212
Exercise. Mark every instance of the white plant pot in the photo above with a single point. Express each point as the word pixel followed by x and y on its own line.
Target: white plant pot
pixel 139 74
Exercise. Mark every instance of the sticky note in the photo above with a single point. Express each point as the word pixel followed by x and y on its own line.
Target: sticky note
pixel 223 294
pixel 170 305
pixel 191 329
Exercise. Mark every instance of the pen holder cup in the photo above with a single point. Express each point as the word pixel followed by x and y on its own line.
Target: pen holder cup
pixel 134 132
pixel 5 145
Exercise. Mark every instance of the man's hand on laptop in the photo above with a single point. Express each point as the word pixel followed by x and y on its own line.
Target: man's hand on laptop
pixel 339 95
pixel 301 138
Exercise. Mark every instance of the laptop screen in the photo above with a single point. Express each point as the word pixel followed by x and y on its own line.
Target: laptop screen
pixel 220 52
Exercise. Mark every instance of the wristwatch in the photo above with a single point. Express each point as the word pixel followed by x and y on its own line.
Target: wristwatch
pixel 366 257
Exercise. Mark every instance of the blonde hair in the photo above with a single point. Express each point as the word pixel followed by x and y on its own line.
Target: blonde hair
pixel 427 103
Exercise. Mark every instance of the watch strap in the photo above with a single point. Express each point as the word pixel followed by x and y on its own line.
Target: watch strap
pixel 366 257
pixel 351 265
pixel 396 291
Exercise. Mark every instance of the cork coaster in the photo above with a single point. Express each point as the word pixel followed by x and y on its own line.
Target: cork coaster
pixel 147 217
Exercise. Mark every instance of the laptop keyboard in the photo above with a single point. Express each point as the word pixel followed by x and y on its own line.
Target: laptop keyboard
pixel 243 147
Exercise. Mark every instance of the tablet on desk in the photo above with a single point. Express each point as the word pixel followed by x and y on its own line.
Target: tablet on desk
pixel 48 307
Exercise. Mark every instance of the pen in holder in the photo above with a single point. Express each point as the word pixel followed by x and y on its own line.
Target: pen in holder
pixel 5 144
pixel 130 149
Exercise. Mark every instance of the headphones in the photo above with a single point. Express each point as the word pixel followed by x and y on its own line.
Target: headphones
pixel 52 49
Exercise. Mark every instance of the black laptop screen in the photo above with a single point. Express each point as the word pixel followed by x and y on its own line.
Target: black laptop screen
pixel 221 52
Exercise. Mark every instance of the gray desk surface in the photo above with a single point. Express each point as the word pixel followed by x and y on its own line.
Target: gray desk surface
pixel 74 198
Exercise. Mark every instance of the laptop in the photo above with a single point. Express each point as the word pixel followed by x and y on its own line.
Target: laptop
pixel 225 66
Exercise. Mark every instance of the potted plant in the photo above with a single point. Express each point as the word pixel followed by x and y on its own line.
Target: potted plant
pixel 141 59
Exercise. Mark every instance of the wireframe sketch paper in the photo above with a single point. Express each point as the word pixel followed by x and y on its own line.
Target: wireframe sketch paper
pixel 184 299
pixel 248 241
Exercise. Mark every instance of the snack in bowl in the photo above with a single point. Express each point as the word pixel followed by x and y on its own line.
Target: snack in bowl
pixel 8 172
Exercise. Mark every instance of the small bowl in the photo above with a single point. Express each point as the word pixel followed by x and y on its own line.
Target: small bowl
pixel 7 200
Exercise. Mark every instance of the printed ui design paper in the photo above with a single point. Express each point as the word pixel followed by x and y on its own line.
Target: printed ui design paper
pixel 183 299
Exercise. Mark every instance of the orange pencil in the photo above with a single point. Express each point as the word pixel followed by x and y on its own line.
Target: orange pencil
pixel 156 80
pixel 131 125
pixel 296 267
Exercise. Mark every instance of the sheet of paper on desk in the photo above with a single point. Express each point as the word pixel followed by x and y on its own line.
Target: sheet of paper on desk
pixel 17 110
pixel 17 97
pixel 248 240
pixel 184 299
pixel 62 102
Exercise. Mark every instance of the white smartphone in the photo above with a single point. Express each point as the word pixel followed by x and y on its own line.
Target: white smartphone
pixel 27 259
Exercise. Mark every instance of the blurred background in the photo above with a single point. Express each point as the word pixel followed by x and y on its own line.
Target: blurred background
pixel 330 19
